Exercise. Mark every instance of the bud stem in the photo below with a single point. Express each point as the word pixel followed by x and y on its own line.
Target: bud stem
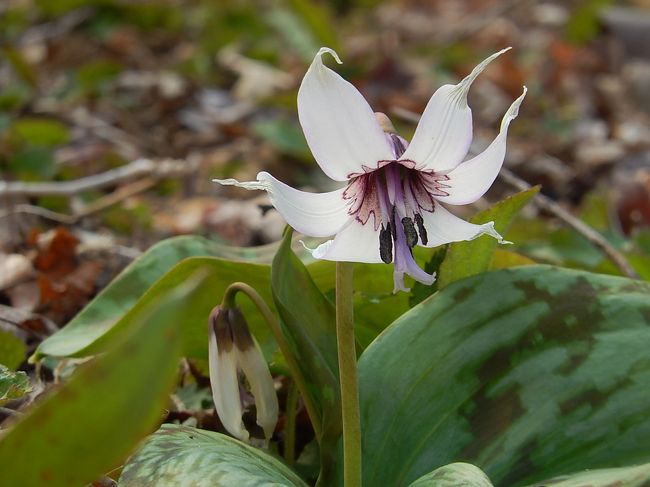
pixel 290 424
pixel 272 322
pixel 348 376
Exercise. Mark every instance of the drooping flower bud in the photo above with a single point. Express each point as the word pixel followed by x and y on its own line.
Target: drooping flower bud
pixel 232 349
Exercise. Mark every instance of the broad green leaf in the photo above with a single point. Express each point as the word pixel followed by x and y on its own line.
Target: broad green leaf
pixel 122 294
pixel 309 324
pixel 12 350
pixel 13 385
pixel 638 476
pixel 91 423
pixel 93 336
pixel 466 259
pixel 183 456
pixel 528 372
pixel 454 475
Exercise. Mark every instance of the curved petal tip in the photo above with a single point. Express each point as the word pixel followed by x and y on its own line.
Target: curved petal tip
pixel 465 84
pixel 331 51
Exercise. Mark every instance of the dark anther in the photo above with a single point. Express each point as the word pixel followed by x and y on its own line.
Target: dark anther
pixel 386 244
pixel 409 231
pixel 421 230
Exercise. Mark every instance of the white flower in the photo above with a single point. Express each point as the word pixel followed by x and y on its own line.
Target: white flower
pixel 232 348
pixel 392 199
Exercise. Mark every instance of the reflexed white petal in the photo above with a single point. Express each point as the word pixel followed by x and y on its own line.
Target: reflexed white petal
pixel 444 227
pixel 314 214
pixel 354 243
pixel 339 125
pixel 257 373
pixel 471 179
pixel 225 387
pixel 444 133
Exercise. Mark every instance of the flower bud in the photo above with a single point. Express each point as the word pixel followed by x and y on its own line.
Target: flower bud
pixel 232 349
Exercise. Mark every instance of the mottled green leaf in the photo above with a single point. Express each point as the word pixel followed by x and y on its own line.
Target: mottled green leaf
pixel 454 475
pixel 466 259
pixel 91 423
pixel 528 372
pixel 13 385
pixel 12 350
pixel 638 476
pixel 183 456
pixel 309 325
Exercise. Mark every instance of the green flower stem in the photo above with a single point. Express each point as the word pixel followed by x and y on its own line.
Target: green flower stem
pixel 274 325
pixel 290 424
pixel 348 376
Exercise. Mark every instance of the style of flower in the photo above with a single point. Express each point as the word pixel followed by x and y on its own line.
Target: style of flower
pixel 392 198
pixel 231 349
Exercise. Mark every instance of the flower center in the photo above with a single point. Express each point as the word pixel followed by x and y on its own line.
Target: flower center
pixel 396 196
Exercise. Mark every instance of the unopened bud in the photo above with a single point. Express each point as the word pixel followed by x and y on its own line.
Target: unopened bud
pixel 232 348
pixel 385 123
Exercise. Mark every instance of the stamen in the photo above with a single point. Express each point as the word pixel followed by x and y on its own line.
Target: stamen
pixel 386 244
pixel 410 232
pixel 419 221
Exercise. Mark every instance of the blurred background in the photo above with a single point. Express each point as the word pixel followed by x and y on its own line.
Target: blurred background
pixel 115 115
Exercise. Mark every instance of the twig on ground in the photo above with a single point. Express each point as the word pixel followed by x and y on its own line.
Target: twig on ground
pixel 152 171
pixel 156 169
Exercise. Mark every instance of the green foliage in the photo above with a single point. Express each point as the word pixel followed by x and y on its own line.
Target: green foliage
pixel 188 456
pixel 453 475
pixel 94 329
pixel 584 25
pixel 620 477
pixel 466 259
pixel 41 131
pixel 13 385
pixel 308 323
pixel 89 424
pixel 32 163
pixel 12 350
pixel 527 372
pixel 95 77
pixel 91 329
pixel 284 136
